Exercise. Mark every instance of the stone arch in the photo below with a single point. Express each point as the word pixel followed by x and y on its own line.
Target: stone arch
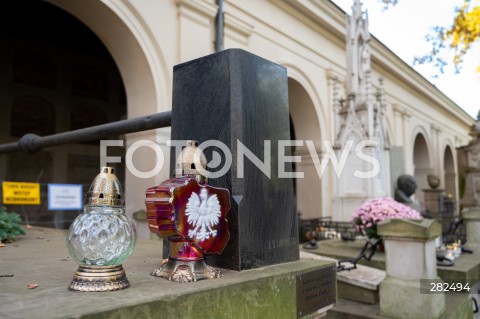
pixel 304 116
pixel 305 126
pixel 449 172
pixel 145 75
pixel 421 165
pixel 134 51
pixel 43 81
pixel 320 113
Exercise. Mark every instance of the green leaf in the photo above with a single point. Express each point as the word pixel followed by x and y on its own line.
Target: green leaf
pixel 10 225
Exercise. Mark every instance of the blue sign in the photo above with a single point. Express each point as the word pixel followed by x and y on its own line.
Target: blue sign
pixel 65 197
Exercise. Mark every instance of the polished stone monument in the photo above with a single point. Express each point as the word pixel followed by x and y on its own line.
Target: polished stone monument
pixel 235 102
pixel 236 97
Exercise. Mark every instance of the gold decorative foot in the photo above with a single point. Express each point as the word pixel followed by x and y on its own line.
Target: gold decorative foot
pixel 186 271
pixel 104 278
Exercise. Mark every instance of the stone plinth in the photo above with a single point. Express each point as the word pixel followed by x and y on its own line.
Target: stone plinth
pixel 471 218
pixel 42 258
pixel 410 256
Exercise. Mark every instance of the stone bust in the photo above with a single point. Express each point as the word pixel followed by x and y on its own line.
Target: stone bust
pixel 406 187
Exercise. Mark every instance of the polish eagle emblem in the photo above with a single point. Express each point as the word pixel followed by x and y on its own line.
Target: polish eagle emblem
pixel 203 213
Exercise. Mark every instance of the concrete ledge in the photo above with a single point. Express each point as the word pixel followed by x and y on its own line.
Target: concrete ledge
pixel 356 293
pixel 360 284
pixel 400 298
pixel 471 213
pixel 458 306
pixel 41 257
pixel 340 249
pixel 466 267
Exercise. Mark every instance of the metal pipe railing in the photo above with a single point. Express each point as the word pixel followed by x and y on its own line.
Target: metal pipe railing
pixel 31 143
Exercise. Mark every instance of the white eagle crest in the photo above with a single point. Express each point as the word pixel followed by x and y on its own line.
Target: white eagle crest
pixel 203 213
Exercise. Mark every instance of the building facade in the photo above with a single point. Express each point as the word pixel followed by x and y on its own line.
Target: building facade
pixel 142 40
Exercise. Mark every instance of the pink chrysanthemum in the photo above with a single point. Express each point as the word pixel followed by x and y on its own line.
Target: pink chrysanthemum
pixel 371 212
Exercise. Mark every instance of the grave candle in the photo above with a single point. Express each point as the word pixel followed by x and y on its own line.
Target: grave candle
pixel 102 237
pixel 191 215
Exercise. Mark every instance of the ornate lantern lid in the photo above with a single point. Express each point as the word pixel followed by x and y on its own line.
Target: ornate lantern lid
pixel 105 190
pixel 187 163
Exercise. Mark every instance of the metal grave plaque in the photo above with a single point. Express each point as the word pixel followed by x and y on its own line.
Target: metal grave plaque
pixel 316 290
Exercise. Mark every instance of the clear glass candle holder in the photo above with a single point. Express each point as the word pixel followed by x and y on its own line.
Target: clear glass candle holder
pixel 102 237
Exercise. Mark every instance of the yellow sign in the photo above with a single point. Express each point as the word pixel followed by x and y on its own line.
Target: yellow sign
pixel 21 193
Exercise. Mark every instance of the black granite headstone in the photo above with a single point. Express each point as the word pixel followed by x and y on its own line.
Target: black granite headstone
pixel 234 95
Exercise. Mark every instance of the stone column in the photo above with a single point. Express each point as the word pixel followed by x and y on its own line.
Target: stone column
pixel 410 256
pixel 471 218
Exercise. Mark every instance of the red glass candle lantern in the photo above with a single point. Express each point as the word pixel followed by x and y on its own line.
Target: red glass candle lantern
pixel 191 215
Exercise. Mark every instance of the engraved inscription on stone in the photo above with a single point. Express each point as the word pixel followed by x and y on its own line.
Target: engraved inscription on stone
pixel 316 290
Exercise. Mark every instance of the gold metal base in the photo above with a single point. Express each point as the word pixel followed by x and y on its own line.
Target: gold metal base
pixel 186 271
pixel 99 278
